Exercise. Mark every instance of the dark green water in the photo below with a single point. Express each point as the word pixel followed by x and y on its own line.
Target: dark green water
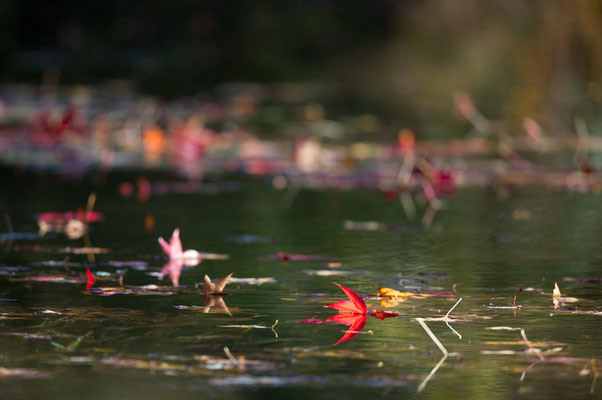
pixel 139 345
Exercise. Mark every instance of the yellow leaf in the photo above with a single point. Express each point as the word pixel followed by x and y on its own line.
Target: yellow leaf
pixel 387 292
pixel 556 292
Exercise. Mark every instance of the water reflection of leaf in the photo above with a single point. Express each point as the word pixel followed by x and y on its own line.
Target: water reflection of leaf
pixel 356 323
pixel 174 269
pixel 217 303
pixel 391 297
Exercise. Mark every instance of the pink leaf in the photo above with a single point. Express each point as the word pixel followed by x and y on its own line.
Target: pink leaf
pixel 165 246
pixel 175 244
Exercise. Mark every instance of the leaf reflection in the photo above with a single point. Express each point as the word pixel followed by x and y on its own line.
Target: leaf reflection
pixel 356 323
pixel 216 302
pixel 174 269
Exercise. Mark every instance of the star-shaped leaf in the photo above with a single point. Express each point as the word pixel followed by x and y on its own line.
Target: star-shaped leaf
pixel 218 286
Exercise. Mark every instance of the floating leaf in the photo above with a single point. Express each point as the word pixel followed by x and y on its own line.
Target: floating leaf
pixel 90 279
pixel 354 305
pixel 217 287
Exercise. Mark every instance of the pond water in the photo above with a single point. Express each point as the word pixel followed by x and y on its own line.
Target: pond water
pixel 132 335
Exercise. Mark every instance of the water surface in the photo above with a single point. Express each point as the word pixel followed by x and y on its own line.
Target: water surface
pixel 61 341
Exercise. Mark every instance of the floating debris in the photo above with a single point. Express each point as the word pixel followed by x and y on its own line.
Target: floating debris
pixel 252 281
pixel 254 327
pixel 286 257
pixel 22 373
pixel 329 272
pixel 374 226
pixel 558 299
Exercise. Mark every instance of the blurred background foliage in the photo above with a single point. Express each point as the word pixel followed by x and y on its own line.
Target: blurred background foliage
pixel 400 60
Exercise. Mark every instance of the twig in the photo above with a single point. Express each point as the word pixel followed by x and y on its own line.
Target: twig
pixel 522 376
pixel 273 330
pixel 453 330
pixel 432 336
pixel 451 309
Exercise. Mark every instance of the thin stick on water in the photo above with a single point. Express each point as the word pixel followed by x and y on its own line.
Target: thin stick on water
pixel 447 319
pixel 432 336
pixel 453 330
pixel 522 376
pixel 454 306
pixel 437 342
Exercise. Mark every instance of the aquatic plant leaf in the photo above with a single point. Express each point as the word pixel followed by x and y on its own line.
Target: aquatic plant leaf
pixel 354 305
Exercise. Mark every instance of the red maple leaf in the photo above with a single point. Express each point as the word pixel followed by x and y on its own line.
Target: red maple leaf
pixel 355 304
pixel 90 279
